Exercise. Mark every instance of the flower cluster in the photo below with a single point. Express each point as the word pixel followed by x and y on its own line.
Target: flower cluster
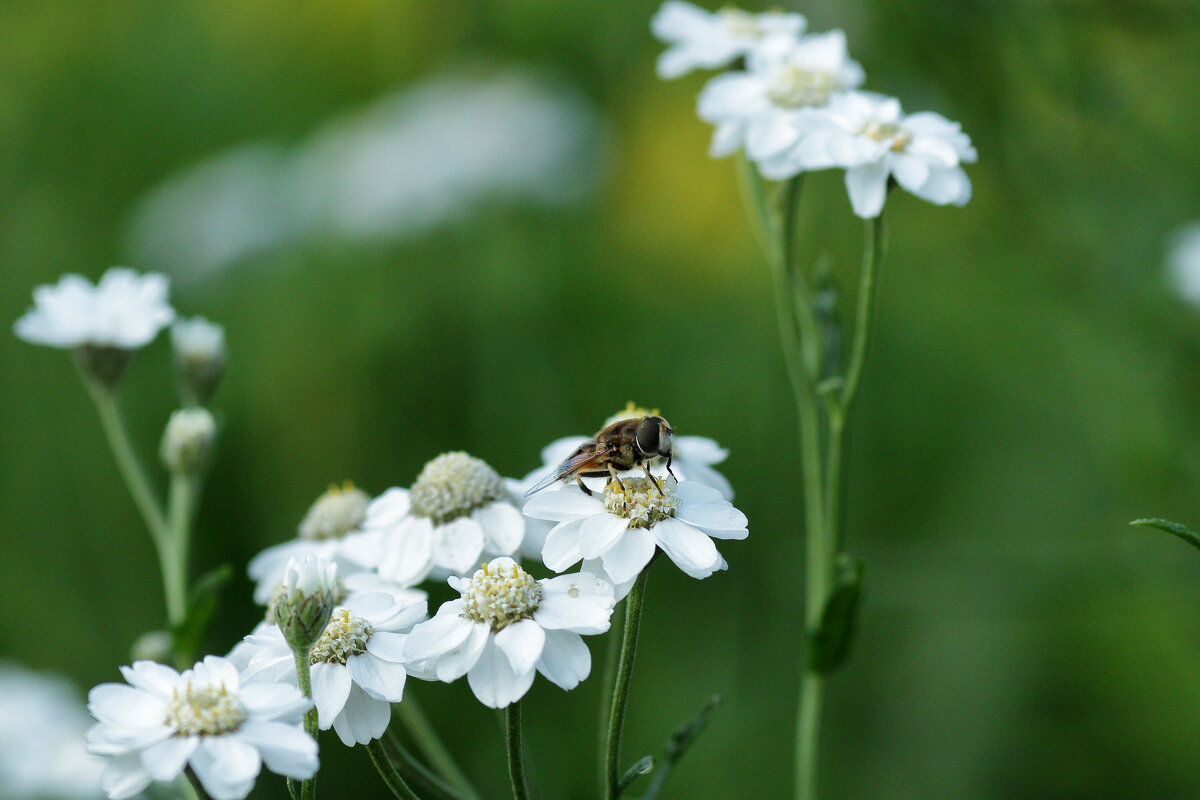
pixel 791 102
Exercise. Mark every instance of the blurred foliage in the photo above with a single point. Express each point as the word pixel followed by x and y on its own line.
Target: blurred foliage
pixel 1032 387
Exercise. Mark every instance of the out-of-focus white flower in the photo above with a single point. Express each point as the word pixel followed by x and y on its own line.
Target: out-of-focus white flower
pixel 188 439
pixel 458 509
pixel 329 529
pixel 357 663
pixel 760 108
pixel 507 626
pixel 616 533
pixel 702 39
pixel 874 140
pixel 199 347
pixel 207 718
pixel 42 751
pixel 1183 262
pixel 124 310
pixel 414 160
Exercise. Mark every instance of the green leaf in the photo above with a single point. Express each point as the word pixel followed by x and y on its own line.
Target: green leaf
pixel 829 324
pixel 678 743
pixel 1176 528
pixel 829 645
pixel 644 766
pixel 203 603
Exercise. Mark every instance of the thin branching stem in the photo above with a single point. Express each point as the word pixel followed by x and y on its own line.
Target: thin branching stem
pixel 391 776
pixel 431 746
pixel 516 751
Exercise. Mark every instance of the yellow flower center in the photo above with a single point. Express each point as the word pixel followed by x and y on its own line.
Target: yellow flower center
pixel 452 486
pixel 795 86
pixel 346 635
pixel 502 597
pixel 204 711
pixel 640 501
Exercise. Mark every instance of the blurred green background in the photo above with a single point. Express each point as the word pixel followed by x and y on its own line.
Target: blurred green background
pixel 1032 386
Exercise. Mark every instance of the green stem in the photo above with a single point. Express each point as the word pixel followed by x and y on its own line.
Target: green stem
pixel 308 787
pixel 388 772
pixel 620 696
pixel 516 753
pixel 419 727
pixel 808 730
pixel 180 512
pixel 612 651
pixel 421 778
pixel 188 789
pixel 872 256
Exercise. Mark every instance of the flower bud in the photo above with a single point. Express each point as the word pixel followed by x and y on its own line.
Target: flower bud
pixel 304 600
pixel 188 439
pixel 199 358
pixel 153 646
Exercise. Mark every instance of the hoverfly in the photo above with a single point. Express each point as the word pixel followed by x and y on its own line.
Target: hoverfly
pixel 621 446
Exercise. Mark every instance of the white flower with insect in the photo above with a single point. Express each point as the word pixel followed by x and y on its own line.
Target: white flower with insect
pixel 357 663
pixel 761 108
pixel 507 626
pixel 330 530
pixel 702 39
pixel 875 141
pixel 458 509
pixel 209 718
pixel 617 531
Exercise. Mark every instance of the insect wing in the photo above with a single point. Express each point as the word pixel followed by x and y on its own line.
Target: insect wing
pixel 579 461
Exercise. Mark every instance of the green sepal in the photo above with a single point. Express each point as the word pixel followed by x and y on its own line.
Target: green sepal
pixel 678 744
pixel 829 645
pixel 203 603
pixel 1176 528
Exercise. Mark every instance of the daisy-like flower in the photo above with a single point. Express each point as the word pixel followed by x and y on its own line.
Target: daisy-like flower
pixel 458 509
pixel 357 664
pixel 760 107
pixel 616 532
pixel 124 310
pixel 874 140
pixel 208 718
pixel 704 39
pixel 507 626
pixel 328 530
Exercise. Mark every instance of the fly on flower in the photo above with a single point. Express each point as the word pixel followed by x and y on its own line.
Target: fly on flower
pixel 618 447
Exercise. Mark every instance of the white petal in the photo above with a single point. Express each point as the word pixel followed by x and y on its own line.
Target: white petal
pixel 727 138
pixel 946 185
pixel 457 545
pixel 388 646
pixel 330 688
pixel 166 759
pixel 383 680
pixel 226 767
pixel 565 659
pixel 620 588
pixel 522 643
pixel 387 510
pixel 157 679
pixel 118 704
pixel 274 701
pixel 733 95
pixel 910 171
pixel 694 492
pixel 503 527
pixel 719 519
pixel 692 551
pixel 446 631
pixel 115 740
pixel 363 719
pixel 597 534
pixel 286 749
pixel 581 602
pixel 867 185
pixel 124 777
pixel 493 680
pixel 562 545
pixel 624 560
pixel 408 552
pixel 455 663
pixel 563 505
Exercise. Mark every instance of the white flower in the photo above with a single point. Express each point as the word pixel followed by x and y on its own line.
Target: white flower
pixel 197 339
pixel 703 39
pixel 42 751
pixel 507 626
pixel 1183 262
pixel 458 509
pixel 328 530
pixel 188 439
pixel 874 140
pixel 761 107
pixel 357 664
pixel 208 718
pixel 124 310
pixel 616 532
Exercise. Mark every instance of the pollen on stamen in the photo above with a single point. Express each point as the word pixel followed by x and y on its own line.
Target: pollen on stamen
pixel 204 711
pixel 640 501
pixel 502 597
pixel 346 635
pixel 452 486
pixel 795 86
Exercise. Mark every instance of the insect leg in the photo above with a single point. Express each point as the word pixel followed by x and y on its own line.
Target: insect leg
pixel 653 479
pixel 612 476
pixel 586 490
pixel 672 474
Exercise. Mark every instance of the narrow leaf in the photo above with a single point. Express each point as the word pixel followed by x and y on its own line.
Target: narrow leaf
pixel 1176 528
pixel 644 766
pixel 205 594
pixel 679 743
pixel 829 645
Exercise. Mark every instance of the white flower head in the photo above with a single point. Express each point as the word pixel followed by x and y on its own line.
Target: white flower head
pixel 357 664
pixel 507 626
pixel 207 718
pixel 874 140
pixel 761 108
pixel 124 310
pixel 200 355
pixel 458 509
pixel 617 531
pixel 188 440
pixel 701 39
pixel 329 529
pixel 1183 262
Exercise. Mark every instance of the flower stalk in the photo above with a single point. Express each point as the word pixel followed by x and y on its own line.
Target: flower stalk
pixel 430 744
pixel 516 751
pixel 387 771
pixel 620 692
pixel 308 787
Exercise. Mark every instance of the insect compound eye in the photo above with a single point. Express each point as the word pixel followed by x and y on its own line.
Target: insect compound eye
pixel 647 435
